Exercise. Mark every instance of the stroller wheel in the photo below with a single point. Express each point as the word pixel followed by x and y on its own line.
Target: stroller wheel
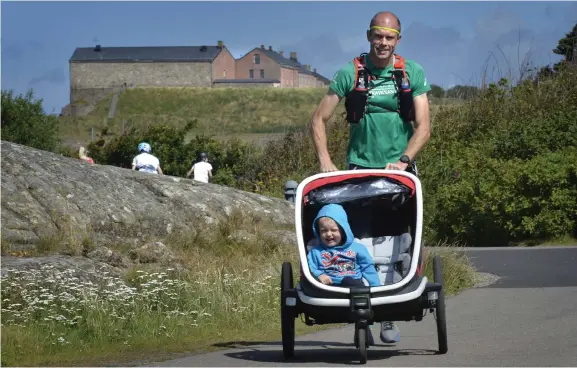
pixel 287 312
pixel 440 314
pixel 362 342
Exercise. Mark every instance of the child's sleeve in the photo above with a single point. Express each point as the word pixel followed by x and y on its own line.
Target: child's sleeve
pixel 367 266
pixel 313 265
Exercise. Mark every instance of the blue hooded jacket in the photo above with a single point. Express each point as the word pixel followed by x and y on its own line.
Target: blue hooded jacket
pixel 349 259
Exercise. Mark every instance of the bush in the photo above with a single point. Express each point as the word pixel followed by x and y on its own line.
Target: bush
pixel 175 154
pixel 24 122
pixel 503 168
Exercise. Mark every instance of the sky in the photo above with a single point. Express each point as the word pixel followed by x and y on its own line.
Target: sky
pixel 453 41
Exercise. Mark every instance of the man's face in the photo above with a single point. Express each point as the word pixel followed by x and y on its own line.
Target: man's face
pixel 383 42
pixel 329 231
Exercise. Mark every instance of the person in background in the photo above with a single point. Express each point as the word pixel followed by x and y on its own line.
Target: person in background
pixel 202 169
pixel 83 155
pixel 145 161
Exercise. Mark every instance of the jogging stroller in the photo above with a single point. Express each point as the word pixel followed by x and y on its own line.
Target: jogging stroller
pixel 385 213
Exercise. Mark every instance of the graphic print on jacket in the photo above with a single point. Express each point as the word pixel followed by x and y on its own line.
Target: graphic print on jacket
pixel 350 259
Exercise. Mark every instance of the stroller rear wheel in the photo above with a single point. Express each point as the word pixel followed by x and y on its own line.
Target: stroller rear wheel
pixel 440 314
pixel 287 312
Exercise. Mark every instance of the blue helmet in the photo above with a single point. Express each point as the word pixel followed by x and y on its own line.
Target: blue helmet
pixel 143 146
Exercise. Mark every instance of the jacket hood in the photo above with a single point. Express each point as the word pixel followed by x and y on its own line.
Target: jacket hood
pixel 338 214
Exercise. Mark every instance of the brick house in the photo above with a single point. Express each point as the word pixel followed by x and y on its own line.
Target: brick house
pixel 95 72
pixel 266 64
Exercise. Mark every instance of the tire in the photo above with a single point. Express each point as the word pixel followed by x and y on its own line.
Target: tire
pixel 286 313
pixel 361 342
pixel 440 314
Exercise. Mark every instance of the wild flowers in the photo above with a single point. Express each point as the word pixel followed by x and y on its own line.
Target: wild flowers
pixel 48 296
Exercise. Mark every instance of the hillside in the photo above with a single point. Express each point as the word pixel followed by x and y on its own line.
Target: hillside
pixel 251 113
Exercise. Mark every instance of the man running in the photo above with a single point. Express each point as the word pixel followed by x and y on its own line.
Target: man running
pixel 382 133
pixel 381 138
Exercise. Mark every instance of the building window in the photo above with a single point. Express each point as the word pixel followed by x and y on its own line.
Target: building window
pixel 251 74
pixel 256 59
pixel 262 73
pixel 224 74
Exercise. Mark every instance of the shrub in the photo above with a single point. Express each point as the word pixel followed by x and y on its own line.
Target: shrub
pixel 24 122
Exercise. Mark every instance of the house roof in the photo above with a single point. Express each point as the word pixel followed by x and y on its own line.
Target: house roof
pixel 283 61
pixel 321 77
pixel 146 53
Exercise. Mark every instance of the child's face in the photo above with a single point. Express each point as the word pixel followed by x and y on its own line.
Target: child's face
pixel 329 231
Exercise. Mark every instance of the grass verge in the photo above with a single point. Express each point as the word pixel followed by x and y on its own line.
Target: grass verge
pixel 228 294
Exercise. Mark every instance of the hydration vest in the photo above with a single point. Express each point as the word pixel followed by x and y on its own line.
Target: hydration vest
pixel 356 100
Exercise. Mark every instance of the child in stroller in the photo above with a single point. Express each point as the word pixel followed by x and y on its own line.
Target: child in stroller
pixel 338 259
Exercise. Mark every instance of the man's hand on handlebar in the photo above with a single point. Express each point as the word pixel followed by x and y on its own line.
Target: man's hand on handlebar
pixel 397 166
pixel 328 167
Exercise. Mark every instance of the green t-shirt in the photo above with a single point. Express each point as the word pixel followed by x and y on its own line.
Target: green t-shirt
pixel 381 136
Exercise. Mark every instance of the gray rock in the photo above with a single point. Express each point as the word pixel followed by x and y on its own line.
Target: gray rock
pixel 154 252
pixel 84 268
pixel 46 195
pixel 108 256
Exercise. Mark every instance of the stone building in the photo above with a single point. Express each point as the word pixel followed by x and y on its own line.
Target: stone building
pixel 95 72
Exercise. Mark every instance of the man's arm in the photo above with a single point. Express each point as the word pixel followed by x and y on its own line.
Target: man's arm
pixel 319 121
pixel 159 170
pixel 422 126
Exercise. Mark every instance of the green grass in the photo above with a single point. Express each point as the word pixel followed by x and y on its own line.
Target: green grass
pixel 219 111
pixel 227 294
pixel 254 114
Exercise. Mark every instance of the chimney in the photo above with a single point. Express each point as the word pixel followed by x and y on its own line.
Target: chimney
pixel 308 67
pixel 97 48
pixel 293 56
pixel 281 53
pixel 220 44
pixel 314 70
pixel 270 48
pixel 262 47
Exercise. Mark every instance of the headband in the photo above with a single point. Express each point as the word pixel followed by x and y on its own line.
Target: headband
pixel 386 29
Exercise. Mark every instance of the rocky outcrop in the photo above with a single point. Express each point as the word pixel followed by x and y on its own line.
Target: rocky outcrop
pixel 45 195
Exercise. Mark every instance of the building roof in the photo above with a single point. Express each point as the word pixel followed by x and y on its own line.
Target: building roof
pixel 146 53
pixel 283 61
pixel 321 77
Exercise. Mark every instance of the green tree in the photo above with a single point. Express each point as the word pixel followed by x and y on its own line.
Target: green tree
pixel 566 45
pixel 437 91
pixel 24 122
pixel 462 92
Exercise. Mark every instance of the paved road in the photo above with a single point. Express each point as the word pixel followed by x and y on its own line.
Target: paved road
pixel 527 318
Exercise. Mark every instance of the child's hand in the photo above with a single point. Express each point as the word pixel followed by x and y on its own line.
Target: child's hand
pixel 325 279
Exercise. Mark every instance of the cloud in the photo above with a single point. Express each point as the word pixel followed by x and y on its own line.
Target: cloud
pixel 12 52
pixel 323 52
pixel 16 51
pixel 55 76
pixel 499 43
